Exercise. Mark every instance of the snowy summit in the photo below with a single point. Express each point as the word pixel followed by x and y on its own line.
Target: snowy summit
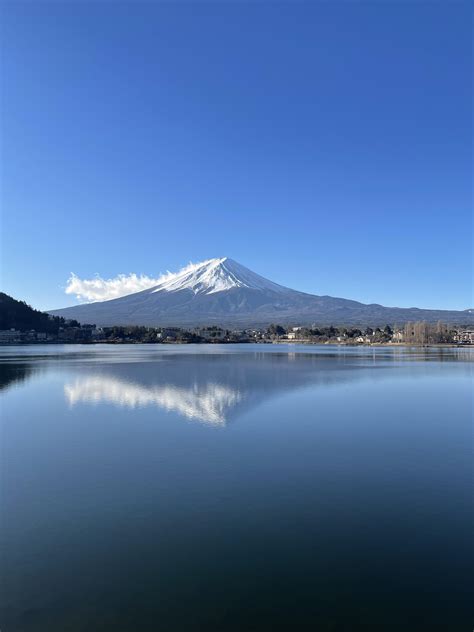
pixel 215 275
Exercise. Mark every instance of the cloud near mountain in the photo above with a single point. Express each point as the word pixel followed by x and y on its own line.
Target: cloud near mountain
pixel 99 289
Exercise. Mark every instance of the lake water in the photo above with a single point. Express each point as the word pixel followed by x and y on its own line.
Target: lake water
pixel 235 488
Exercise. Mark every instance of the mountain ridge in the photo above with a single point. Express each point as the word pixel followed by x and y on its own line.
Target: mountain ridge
pixel 223 292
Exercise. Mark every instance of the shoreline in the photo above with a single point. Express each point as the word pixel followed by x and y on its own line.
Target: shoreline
pixel 221 342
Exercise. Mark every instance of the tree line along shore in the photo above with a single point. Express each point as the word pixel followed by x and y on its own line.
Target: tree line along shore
pixel 21 324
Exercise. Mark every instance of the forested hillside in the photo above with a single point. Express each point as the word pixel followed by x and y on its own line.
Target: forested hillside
pixel 18 315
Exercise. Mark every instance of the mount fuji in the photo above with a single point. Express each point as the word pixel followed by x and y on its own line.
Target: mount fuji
pixel 226 293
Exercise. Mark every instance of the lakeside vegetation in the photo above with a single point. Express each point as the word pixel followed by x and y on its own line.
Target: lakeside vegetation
pixel 21 316
pixel 20 323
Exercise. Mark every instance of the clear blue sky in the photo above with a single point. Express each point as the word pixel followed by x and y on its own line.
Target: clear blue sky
pixel 327 146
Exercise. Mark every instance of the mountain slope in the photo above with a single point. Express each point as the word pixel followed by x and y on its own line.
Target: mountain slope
pixel 223 292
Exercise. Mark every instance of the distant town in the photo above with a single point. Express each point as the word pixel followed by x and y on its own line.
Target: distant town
pixel 419 333
pixel 21 324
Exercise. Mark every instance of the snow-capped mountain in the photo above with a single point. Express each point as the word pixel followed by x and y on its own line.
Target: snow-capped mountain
pixel 215 275
pixel 226 293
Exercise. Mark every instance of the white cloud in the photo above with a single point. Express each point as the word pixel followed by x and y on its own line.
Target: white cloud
pixel 99 289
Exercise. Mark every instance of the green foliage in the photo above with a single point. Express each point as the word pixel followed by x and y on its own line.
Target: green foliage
pixel 276 330
pixel 18 315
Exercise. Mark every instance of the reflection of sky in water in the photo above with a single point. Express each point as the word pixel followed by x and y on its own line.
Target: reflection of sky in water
pixel 207 403
pixel 327 508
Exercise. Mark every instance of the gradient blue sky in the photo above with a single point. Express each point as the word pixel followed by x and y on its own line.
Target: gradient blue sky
pixel 327 146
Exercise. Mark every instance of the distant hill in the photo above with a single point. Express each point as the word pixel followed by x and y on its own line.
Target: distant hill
pixel 225 293
pixel 18 315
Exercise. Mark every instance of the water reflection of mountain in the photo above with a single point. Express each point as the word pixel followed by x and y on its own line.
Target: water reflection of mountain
pixel 206 402
pixel 207 388
pixel 207 384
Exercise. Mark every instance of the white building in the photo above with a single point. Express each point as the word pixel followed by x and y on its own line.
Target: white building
pixel 466 336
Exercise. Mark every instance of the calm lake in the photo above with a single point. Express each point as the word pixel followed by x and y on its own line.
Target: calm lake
pixel 235 488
